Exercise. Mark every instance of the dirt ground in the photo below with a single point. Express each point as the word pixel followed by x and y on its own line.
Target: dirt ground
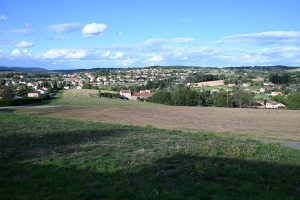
pixel 273 123
pixel 210 83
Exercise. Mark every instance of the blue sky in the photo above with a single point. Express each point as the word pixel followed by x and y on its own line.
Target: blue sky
pixel 137 33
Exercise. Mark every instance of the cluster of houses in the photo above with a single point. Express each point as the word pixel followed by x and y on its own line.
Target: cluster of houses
pixel 137 76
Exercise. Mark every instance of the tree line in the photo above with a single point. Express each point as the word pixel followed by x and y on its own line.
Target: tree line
pixel 185 96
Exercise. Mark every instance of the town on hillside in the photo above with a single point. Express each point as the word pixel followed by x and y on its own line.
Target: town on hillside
pixel 258 86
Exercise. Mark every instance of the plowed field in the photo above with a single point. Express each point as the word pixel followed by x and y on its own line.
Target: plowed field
pixel 273 123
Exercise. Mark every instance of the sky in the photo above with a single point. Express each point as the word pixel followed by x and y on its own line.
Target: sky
pixel 88 34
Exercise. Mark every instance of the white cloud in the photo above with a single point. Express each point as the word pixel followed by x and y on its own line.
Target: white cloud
pixel 118 55
pixel 120 33
pixel 66 28
pixel 106 54
pixel 126 62
pixel 24 31
pixel 27 24
pixel 76 54
pixel 3 17
pixel 154 51
pixel 15 52
pixel 184 40
pixel 65 53
pixel 59 38
pixel 154 58
pixel 24 44
pixel 55 53
pixel 93 30
pixel 54 63
pixel 264 38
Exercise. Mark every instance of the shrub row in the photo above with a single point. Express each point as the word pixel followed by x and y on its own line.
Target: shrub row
pixel 18 102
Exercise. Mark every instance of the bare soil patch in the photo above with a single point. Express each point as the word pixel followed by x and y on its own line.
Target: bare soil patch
pixel 209 83
pixel 272 123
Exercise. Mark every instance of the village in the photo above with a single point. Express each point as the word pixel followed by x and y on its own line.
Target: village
pixel 132 83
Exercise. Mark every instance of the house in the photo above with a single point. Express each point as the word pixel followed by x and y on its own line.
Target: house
pixel 276 93
pixel 215 90
pixel 274 104
pixel 34 94
pixel 267 83
pixel 137 95
pixel 262 90
pixel 246 84
pixel 259 103
pixel 125 94
pixel 231 85
pixel 144 91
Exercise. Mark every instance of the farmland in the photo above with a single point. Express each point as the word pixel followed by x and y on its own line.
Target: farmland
pixel 78 104
pixel 209 83
pixel 86 147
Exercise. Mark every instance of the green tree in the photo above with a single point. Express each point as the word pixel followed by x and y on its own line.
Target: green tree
pixel 2 81
pixel 294 101
pixel 8 93
pixel 192 98
pixel 87 85
pixel 243 98
pixel 280 98
pixel 161 96
pixel 223 99
pixel 46 84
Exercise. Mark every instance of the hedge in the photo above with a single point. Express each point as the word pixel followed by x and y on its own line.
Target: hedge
pixel 18 102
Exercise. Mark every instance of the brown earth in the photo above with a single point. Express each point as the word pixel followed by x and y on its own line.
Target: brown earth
pixel 273 123
pixel 209 83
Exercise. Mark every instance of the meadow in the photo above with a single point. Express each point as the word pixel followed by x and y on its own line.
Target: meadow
pixel 57 158
pixel 89 98
pixel 69 151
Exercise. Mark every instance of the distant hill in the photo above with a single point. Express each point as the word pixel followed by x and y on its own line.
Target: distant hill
pixel 21 69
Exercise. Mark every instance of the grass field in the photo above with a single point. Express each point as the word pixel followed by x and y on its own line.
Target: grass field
pixel 89 98
pixel 69 151
pixel 56 158
pixel 293 70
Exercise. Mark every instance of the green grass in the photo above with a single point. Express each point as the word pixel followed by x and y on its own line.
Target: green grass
pixel 52 158
pixel 263 96
pixel 293 70
pixel 91 100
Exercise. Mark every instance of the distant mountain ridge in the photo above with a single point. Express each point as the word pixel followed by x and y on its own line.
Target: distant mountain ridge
pixel 5 68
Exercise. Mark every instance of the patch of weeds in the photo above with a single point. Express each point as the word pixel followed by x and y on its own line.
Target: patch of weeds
pixel 149 125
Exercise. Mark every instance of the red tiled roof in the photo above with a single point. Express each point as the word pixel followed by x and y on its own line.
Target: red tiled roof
pixel 273 102
pixel 125 91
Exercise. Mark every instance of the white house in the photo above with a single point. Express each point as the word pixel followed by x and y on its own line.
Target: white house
pixel 262 90
pixel 276 93
pixel 125 93
pixel 34 94
pixel 274 104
